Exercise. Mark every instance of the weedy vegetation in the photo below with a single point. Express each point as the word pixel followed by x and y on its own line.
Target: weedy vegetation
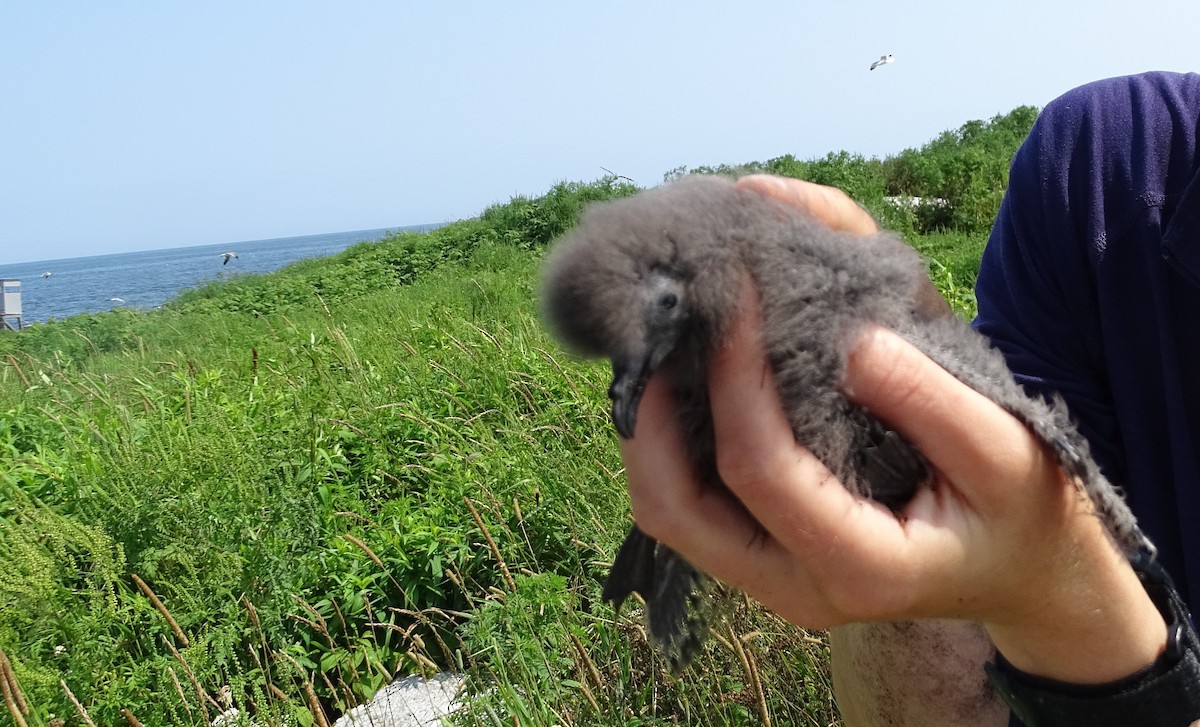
pixel 280 493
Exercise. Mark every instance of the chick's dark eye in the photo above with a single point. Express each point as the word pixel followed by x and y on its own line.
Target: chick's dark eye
pixel 668 301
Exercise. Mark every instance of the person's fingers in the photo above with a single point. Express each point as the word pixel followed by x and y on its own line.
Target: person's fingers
pixel 794 536
pixel 828 204
pixel 859 553
pixel 704 524
pixel 669 502
pixel 662 484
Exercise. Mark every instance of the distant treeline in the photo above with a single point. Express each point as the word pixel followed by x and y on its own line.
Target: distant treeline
pixel 954 182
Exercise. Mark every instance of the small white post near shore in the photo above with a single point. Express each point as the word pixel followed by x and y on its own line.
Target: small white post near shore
pixel 10 305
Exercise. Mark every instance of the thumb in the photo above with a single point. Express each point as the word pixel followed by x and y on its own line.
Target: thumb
pixel 957 428
pixel 828 204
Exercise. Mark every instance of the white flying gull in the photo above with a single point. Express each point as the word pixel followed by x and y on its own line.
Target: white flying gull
pixel 225 256
pixel 116 300
pixel 47 274
pixel 883 61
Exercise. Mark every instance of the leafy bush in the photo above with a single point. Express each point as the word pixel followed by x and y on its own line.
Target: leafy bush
pixel 533 223
pixel 954 182
pixel 968 168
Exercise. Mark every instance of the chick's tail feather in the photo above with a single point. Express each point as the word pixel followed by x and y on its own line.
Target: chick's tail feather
pixel 679 606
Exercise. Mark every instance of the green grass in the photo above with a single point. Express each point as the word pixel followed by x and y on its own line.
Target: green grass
pixel 353 469
pixel 953 259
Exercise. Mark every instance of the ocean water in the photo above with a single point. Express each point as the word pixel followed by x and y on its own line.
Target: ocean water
pixel 146 279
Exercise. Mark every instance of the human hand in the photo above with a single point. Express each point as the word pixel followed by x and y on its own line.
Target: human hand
pixel 1001 538
pixel 828 204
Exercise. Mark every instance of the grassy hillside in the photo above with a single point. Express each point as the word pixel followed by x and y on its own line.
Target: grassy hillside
pixel 283 491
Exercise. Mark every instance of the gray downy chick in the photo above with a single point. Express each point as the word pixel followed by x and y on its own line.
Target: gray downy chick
pixel 651 282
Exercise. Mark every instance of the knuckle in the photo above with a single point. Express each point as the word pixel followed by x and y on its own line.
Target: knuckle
pixel 886 372
pixel 867 599
pixel 748 471
pixel 868 584
pixel 656 517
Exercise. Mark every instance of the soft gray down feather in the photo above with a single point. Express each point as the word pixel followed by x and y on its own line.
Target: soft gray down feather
pixel 651 281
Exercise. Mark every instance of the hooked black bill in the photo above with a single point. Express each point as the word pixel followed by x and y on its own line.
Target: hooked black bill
pixel 632 369
pixel 628 385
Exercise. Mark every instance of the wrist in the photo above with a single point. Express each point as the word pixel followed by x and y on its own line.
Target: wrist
pixel 1095 624
pixel 1166 691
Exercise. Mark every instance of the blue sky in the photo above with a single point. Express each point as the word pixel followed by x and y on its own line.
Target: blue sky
pixel 142 125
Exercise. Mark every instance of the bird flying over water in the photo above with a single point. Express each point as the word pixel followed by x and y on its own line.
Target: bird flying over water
pixel 116 300
pixel 226 256
pixel 651 283
pixel 47 274
pixel 883 61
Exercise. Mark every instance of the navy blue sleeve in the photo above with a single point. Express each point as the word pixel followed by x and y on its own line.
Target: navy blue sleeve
pixel 1090 287
pixel 1037 301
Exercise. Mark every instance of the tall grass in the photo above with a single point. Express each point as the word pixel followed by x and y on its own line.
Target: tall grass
pixel 282 492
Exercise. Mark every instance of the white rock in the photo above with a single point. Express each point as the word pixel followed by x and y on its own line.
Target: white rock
pixel 914 202
pixel 228 718
pixel 408 702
